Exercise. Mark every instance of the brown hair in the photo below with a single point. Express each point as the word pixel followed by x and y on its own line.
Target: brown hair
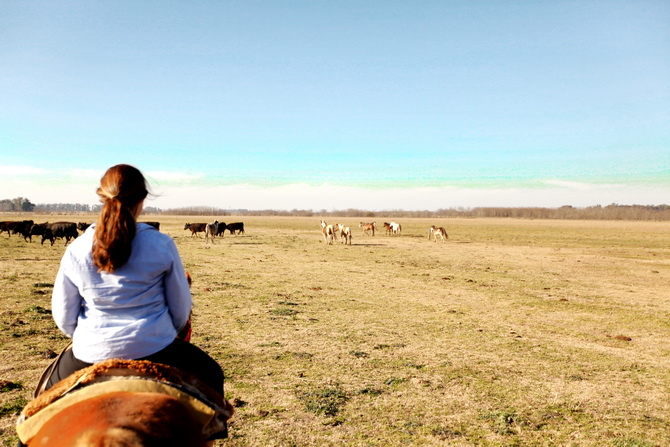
pixel 121 190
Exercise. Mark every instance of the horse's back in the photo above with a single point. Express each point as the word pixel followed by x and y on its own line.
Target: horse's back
pixel 122 419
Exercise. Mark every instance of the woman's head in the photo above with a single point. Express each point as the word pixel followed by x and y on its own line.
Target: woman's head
pixel 122 192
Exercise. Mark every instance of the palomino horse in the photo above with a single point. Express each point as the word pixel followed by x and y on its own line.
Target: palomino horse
pixel 134 403
pixel 368 228
pixel 438 231
pixel 345 234
pixel 328 232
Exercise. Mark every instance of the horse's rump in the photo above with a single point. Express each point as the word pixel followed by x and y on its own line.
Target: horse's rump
pixel 102 399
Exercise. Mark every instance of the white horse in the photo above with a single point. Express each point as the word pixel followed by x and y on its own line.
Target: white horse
pixel 395 227
pixel 438 231
pixel 328 232
pixel 345 234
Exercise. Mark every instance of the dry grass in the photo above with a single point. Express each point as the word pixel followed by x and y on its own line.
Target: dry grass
pixel 514 332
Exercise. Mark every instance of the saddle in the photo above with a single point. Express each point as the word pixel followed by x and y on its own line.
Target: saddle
pixel 206 405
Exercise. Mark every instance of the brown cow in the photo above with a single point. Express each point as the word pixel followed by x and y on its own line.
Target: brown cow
pixel 195 228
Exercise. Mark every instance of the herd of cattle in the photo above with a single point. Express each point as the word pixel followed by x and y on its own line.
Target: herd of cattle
pixel 49 231
pixel 69 230
pixel 215 228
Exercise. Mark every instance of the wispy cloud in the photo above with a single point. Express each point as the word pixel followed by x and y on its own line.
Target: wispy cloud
pixel 7 170
pixel 174 189
pixel 172 176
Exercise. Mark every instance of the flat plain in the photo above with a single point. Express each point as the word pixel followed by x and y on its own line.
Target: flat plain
pixel 512 332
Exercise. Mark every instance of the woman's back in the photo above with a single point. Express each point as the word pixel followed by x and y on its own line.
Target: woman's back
pixel 132 312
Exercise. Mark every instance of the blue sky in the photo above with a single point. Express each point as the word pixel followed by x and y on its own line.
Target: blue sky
pixel 335 105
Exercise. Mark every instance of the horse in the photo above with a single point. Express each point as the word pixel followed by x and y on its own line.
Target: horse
pixel 134 403
pixel 368 227
pixel 345 234
pixel 395 228
pixel 126 403
pixel 210 231
pixel 328 232
pixel 438 231
pixel 387 227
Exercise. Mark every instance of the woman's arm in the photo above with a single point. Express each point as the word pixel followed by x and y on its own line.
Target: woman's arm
pixel 177 291
pixel 66 303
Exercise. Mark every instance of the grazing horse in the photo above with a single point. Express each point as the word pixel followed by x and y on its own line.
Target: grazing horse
pixel 211 230
pixel 125 403
pixel 368 227
pixel 395 228
pixel 438 231
pixel 345 234
pixel 328 232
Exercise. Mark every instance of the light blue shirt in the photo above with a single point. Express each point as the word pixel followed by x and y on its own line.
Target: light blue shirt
pixel 131 313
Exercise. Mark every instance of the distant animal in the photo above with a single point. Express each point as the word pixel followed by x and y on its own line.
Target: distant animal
pixel 57 230
pixel 345 234
pixel 395 228
pixel 368 228
pixel 328 232
pixel 37 230
pixel 210 231
pixel 438 231
pixel 156 225
pixel 7 226
pixel 21 227
pixel 221 229
pixel 125 403
pixel 195 228
pixel 235 227
pixel 387 228
pixel 82 226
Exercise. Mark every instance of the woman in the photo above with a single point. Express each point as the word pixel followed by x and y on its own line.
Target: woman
pixel 121 290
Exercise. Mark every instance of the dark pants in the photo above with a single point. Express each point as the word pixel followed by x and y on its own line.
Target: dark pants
pixel 179 354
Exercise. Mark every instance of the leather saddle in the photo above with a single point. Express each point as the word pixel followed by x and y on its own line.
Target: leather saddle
pixel 206 405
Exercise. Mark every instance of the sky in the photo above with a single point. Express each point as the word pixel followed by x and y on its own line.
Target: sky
pixel 322 105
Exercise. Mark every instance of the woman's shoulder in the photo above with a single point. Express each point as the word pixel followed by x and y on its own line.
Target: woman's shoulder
pixel 147 233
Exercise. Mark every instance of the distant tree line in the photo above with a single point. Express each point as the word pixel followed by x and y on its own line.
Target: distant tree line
pixel 610 212
pixel 20 204
pixel 598 212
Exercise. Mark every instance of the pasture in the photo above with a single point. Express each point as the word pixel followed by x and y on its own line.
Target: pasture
pixel 511 332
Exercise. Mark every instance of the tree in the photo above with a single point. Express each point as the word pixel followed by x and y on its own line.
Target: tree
pixel 22 204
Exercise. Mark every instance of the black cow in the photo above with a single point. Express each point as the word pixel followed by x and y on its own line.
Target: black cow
pixel 23 228
pixel 236 227
pixel 7 226
pixel 68 230
pixel 37 230
pixel 82 226
pixel 221 229
pixel 156 225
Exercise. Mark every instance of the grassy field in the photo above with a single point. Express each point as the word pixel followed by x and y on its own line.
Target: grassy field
pixel 514 332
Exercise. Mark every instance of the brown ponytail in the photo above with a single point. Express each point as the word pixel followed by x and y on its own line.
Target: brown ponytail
pixel 121 191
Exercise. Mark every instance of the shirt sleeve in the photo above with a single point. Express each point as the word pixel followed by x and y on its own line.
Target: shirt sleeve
pixel 66 301
pixel 177 291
